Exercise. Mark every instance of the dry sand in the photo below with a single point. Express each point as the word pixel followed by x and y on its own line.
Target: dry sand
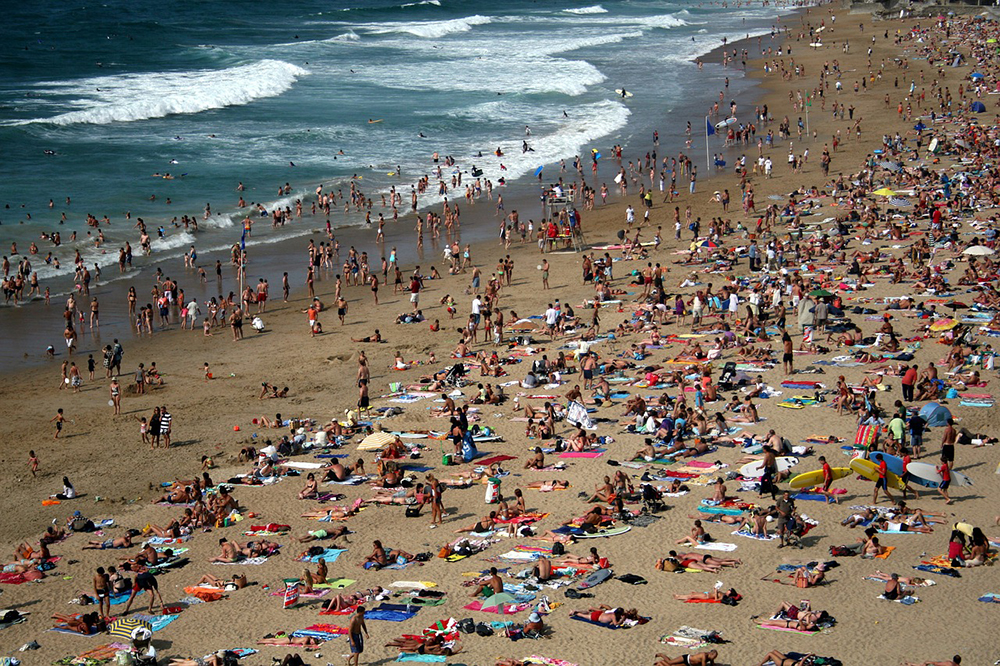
pixel 104 457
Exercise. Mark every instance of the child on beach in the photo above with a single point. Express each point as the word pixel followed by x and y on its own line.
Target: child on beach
pixel 33 463
pixel 59 419
pixel 143 429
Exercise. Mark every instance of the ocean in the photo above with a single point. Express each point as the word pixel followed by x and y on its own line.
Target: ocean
pixel 99 101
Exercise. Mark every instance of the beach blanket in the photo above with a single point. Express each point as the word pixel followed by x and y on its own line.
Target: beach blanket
pixel 748 535
pixel 990 598
pixel 250 561
pixel 494 459
pixel 156 622
pixel 315 594
pixel 485 607
pixel 596 453
pixel 328 554
pixel 422 658
pixel 338 584
pixel 907 600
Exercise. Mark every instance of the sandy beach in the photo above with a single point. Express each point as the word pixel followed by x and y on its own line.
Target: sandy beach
pixel 118 476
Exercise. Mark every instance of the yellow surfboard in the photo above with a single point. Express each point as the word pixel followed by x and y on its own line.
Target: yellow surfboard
pixel 869 470
pixel 815 477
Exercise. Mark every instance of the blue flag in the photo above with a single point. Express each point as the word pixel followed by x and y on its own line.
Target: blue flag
pixel 709 127
pixel 243 239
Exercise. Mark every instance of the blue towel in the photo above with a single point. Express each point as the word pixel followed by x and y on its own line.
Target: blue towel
pixel 425 658
pixel 389 616
pixel 328 554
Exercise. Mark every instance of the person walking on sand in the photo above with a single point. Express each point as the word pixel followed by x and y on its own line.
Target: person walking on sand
pixel 357 631
pixel 59 420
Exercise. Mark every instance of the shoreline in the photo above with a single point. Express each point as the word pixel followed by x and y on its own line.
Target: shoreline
pixel 282 252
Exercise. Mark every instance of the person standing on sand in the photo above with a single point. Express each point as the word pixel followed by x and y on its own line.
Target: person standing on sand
pixel 355 638
pixel 116 396
pixel 59 420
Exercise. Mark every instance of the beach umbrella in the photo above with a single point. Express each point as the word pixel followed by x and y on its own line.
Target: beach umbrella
pixel 884 192
pixel 956 305
pixel 899 201
pixel 708 243
pixel 124 626
pixel 821 293
pixel 991 40
pixel 944 325
pixel 376 440
pixel 976 76
pixel 977 107
pixel 499 603
pixel 979 250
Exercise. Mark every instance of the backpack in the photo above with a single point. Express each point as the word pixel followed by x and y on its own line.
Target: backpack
pixel 841 551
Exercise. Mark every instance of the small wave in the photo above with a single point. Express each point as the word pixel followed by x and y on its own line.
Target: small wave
pixel 664 21
pixel 130 97
pixel 428 29
pixel 349 36
pixel 593 9
pixel 436 3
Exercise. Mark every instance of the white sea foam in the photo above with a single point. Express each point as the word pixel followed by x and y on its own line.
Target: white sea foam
pixel 349 36
pixel 593 9
pixel 426 29
pixel 130 97
pixel 513 75
pixel 436 3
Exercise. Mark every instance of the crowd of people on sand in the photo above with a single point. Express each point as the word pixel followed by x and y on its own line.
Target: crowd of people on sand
pixel 689 419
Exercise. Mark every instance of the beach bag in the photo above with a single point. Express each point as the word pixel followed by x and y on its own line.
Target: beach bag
pixel 444 552
pixel 484 630
pixel 466 626
pixel 413 512
pixel 841 551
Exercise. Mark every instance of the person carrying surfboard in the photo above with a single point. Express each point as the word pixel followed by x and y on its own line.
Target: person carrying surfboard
pixel 882 482
pixel 827 481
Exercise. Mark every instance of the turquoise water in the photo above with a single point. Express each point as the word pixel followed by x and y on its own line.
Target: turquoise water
pixel 216 94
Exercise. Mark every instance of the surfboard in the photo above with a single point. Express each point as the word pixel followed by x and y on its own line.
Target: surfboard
pixel 869 470
pixel 618 178
pixel 609 532
pixel 895 465
pixel 726 123
pixel 816 45
pixel 932 147
pixel 815 477
pixel 623 93
pixel 595 578
pixel 929 476
pixel 755 469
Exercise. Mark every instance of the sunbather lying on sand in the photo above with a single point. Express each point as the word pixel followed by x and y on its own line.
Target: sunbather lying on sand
pixel 696 659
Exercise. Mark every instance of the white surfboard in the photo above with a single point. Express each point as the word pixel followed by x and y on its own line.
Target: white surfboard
pixel 726 123
pixel 929 472
pixel 755 469
pixel 623 93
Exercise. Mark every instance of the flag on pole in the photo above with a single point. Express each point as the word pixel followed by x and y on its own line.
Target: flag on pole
pixel 243 239
pixel 709 127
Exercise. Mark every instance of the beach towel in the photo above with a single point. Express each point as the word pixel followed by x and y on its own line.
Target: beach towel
pixel 547 661
pixel 338 584
pixel 907 600
pixel 886 554
pixel 167 541
pixel 423 658
pixel 250 561
pixel 389 615
pixel 349 481
pixel 509 609
pixel 748 535
pixel 413 584
pixel 328 554
pixel 596 453
pixel 494 459
pixel 944 571
pixel 990 598
pixel 315 594
pixel 717 545
pixel 156 622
